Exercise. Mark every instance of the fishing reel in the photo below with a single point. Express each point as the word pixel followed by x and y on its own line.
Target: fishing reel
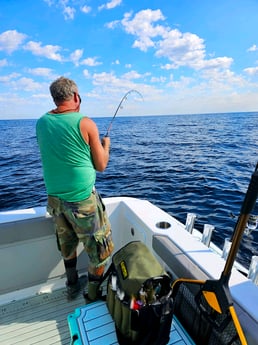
pixel 251 225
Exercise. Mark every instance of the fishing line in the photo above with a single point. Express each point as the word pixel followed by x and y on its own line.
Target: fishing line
pixel 120 107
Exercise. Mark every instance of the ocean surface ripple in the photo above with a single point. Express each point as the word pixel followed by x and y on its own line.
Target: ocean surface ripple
pixel 181 163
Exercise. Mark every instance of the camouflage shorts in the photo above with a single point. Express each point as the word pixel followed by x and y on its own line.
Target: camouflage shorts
pixel 84 221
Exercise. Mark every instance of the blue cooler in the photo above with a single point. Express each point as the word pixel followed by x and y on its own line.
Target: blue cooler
pixel 92 324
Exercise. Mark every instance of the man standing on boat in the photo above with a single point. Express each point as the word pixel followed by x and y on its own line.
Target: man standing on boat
pixel 71 152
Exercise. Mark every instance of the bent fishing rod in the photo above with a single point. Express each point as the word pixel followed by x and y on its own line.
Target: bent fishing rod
pixel 119 107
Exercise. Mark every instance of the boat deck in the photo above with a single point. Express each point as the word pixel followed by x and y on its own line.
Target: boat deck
pixel 42 320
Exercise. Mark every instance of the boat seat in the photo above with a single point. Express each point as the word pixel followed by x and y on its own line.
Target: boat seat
pixel 178 263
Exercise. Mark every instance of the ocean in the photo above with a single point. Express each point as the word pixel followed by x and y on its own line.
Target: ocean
pixel 182 163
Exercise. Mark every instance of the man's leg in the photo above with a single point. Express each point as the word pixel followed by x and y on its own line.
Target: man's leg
pixel 70 269
pixel 94 276
pixel 67 241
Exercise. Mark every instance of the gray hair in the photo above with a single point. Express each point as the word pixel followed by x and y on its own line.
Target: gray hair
pixel 63 89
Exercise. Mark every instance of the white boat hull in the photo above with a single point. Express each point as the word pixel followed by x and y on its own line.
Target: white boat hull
pixel 31 264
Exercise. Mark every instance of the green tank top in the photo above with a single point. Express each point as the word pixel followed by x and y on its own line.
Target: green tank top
pixel 68 167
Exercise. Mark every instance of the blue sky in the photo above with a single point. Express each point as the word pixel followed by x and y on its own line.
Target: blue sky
pixel 183 56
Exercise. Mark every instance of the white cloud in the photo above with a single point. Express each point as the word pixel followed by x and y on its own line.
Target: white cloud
pixel 42 72
pixel 86 74
pixel 216 63
pixel 26 84
pixel 11 40
pixel 221 80
pixel 110 5
pixel 167 66
pixel 48 51
pixel 142 27
pixel 86 9
pixel 252 71
pixel 116 62
pixel 76 56
pixel 181 49
pixel 14 81
pixel 158 79
pixel 91 61
pixel 9 77
pixel 105 78
pixel 109 82
pixel 132 75
pixel 113 24
pixel 69 12
pixel 253 48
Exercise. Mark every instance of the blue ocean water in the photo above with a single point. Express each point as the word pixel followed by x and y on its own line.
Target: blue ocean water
pixel 181 163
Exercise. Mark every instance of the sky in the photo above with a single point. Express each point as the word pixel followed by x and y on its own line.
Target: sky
pixel 182 56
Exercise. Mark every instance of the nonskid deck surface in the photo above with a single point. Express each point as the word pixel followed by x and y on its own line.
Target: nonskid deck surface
pixel 42 320
pixel 39 320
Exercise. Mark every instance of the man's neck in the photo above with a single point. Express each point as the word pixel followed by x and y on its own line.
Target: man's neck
pixel 66 107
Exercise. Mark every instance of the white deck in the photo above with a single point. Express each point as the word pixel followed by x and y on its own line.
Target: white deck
pixel 42 320
pixel 37 320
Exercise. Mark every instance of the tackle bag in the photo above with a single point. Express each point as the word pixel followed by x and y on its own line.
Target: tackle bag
pixel 139 296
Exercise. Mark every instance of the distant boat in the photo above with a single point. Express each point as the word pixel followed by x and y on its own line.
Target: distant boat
pixel 34 309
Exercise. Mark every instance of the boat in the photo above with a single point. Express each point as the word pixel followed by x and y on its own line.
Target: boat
pixel 34 309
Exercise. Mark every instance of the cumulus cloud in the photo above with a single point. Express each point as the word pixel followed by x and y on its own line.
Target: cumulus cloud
pixel 109 81
pixel 42 72
pixel 253 48
pixel 252 71
pixel 105 78
pixel 132 75
pixel 91 61
pixel 109 5
pixel 76 56
pixel 116 62
pixel 69 12
pixel 49 51
pixel 180 49
pixel 17 83
pixel 11 40
pixel 143 28
pixel 86 74
pixel 26 84
pixel 86 9
pixel 9 77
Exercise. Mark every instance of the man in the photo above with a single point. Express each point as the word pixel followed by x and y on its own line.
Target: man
pixel 71 152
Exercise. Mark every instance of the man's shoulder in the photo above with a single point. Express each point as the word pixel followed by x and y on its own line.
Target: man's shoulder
pixel 41 120
pixel 85 120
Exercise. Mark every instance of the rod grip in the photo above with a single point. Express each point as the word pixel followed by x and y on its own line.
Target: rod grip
pixel 251 194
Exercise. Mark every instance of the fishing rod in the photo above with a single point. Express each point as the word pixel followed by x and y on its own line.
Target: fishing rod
pixel 120 106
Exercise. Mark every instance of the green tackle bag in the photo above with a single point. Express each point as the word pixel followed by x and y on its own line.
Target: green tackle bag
pixel 139 296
